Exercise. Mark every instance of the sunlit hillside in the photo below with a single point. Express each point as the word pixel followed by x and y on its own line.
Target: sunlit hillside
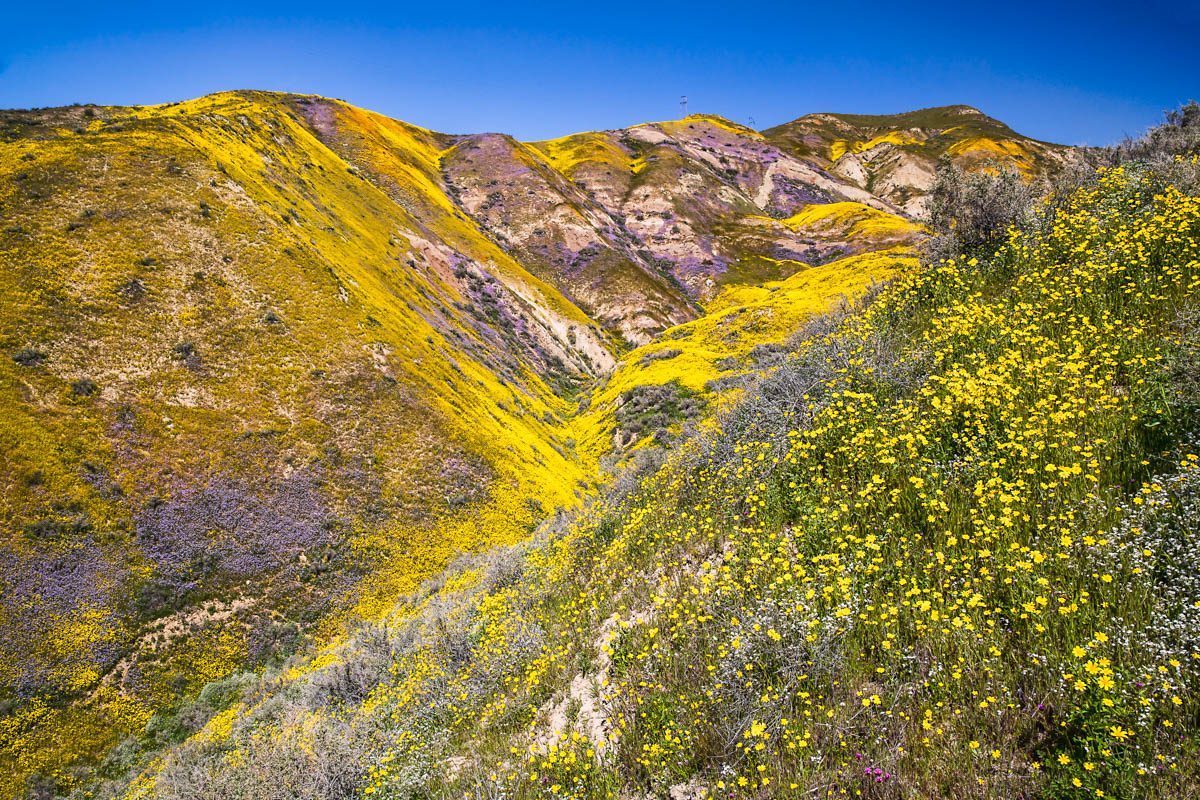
pixel 944 547
pixel 658 390
pixel 249 395
pixel 895 156
pixel 346 458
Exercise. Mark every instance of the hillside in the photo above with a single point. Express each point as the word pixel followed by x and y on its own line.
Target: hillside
pixel 944 547
pixel 704 197
pixel 260 376
pixel 895 156
pixel 657 390
pixel 272 362
pixel 641 226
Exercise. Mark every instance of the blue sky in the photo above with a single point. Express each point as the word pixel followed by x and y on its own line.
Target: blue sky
pixel 1066 72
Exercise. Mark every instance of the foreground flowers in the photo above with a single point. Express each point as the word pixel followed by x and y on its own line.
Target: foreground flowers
pixel 947 549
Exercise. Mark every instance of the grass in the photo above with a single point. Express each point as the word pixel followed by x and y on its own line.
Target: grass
pixel 936 540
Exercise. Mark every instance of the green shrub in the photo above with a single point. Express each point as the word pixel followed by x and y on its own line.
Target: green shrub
pixel 84 387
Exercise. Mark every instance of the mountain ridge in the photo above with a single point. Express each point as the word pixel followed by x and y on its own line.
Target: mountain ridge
pixel 895 155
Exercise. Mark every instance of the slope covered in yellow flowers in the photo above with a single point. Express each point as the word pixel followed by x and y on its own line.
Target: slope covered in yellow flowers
pixel 946 546
pixel 239 377
pixel 711 358
pixel 270 361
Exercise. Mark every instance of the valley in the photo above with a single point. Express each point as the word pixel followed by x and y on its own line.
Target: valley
pixel 273 362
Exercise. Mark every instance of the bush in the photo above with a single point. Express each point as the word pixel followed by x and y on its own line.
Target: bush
pixel 1178 135
pixel 1166 148
pixel 187 353
pixel 373 651
pixel 727 382
pixel 969 212
pixel 659 355
pixel 221 694
pixel 647 409
pixel 29 357
pixel 642 465
pixel 133 289
pixel 84 387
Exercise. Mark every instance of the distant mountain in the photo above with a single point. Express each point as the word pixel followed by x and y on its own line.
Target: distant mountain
pixel 638 225
pixel 894 156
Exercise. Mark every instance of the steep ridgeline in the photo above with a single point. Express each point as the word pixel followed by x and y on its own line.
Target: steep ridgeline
pixel 894 156
pixel 270 361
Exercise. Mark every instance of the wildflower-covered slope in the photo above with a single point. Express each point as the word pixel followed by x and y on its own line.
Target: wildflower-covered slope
pixel 271 360
pixel 245 387
pixel 946 547
pixel 657 390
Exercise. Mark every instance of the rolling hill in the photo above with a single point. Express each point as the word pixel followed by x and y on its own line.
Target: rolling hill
pixel 272 361
pixel 895 156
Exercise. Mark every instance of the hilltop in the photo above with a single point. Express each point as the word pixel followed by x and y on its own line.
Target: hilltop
pixel 271 362
pixel 895 156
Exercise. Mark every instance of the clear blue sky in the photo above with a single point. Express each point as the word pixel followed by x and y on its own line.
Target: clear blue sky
pixel 1073 73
